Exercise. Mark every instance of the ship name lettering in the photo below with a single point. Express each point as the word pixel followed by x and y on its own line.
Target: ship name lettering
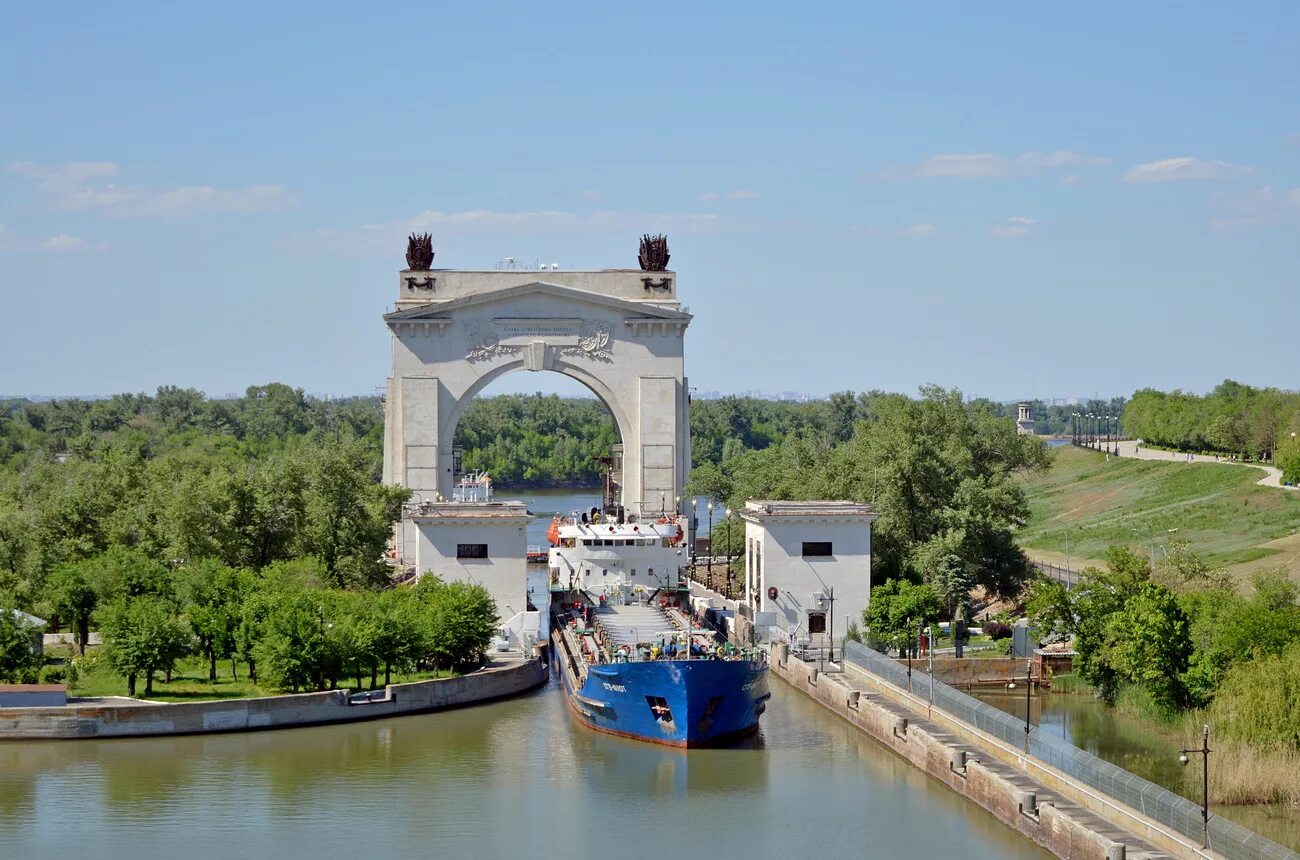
pixel 617 688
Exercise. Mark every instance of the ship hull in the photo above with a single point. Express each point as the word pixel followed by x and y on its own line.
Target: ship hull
pixel 681 703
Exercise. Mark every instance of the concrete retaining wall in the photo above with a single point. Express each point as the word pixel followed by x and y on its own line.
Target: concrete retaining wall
pixel 274 712
pixel 1047 814
pixel 972 670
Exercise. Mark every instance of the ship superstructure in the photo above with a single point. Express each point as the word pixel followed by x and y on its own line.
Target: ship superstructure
pixel 633 659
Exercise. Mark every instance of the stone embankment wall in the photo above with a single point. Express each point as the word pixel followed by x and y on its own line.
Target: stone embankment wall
pixel 976 671
pixel 973 671
pixel 273 712
pixel 1067 819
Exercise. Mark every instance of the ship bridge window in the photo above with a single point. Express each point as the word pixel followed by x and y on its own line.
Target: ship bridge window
pixel 659 709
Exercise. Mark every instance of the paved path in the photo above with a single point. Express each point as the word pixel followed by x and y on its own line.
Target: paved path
pixel 1272 475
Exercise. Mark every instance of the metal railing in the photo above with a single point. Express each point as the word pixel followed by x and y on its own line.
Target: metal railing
pixel 1059 572
pixel 1173 810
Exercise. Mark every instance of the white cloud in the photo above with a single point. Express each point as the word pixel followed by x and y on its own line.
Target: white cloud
pixel 1015 227
pixel 1070 179
pixel 974 166
pixel 915 231
pixel 1259 207
pixel 61 243
pixel 739 194
pixel 83 187
pixel 1062 158
pixel 986 165
pixel 1185 169
pixel 65 244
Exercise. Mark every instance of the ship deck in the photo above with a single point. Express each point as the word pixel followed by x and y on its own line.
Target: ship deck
pixel 637 622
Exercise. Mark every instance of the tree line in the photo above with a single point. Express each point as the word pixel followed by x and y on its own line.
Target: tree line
pixel 1233 419
pixel 941 473
pixel 113 513
pixel 286 623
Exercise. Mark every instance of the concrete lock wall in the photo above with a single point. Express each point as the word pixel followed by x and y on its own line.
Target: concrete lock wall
pixel 272 712
pixel 1065 817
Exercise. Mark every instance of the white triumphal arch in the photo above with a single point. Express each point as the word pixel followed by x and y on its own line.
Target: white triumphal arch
pixel 619 332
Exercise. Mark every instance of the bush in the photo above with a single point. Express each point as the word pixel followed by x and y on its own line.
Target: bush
pixel 1256 701
pixel 53 675
pixel 997 630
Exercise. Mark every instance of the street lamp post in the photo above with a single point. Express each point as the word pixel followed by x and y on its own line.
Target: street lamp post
pixel 907 637
pixel 929 652
pixel 1205 751
pixel 728 517
pixel 1029 688
pixel 712 553
pixel 695 525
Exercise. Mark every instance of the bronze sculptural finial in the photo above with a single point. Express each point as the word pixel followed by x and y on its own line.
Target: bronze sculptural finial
pixel 419 252
pixel 654 253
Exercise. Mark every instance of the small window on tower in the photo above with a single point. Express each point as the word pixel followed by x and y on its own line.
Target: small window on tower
pixel 471 550
pixel 816 548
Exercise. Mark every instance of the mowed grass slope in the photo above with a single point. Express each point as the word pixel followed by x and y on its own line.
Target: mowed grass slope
pixel 1216 507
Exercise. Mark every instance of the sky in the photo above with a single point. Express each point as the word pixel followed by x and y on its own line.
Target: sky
pixel 1015 199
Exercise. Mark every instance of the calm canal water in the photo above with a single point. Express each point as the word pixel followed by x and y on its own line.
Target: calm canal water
pixel 1089 724
pixel 510 779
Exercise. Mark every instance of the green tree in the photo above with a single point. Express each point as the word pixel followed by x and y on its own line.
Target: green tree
pixel 349 519
pixel 290 651
pixel 20 659
pixel 1147 642
pixel 209 596
pixel 143 636
pixel 1085 611
pixel 461 621
pixel 71 591
pixel 897 611
pixel 1256 702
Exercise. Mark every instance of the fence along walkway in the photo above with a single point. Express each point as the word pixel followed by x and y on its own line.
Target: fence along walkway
pixel 1173 810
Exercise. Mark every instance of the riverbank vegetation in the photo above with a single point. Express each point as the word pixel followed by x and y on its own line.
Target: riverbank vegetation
pixel 1181 646
pixel 250 530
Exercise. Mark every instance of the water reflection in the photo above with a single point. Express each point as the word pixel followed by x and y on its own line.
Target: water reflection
pixel 511 778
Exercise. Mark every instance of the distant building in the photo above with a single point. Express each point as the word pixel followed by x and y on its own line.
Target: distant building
pixel 1024 422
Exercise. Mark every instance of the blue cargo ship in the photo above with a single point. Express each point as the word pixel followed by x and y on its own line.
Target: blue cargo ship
pixel 633 660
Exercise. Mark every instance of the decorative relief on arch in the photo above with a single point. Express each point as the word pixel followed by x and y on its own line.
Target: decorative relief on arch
pixel 485 343
pixel 594 342
pixel 589 340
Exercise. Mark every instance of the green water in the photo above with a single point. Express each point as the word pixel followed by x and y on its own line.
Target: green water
pixel 511 779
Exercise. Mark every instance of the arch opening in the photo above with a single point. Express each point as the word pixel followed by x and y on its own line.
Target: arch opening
pixel 557 443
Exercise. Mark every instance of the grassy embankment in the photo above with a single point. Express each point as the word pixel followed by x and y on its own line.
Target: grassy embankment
pixel 190 682
pixel 1216 508
pixel 1225 518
